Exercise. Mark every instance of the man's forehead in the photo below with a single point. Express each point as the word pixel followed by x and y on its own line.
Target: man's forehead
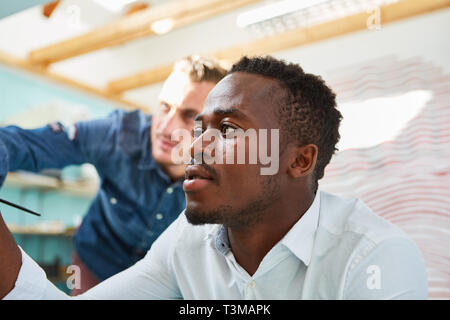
pixel 180 91
pixel 174 86
pixel 242 91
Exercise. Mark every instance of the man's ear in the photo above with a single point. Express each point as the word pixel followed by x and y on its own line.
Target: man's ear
pixel 304 161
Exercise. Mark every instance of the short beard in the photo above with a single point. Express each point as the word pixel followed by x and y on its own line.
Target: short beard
pixel 239 218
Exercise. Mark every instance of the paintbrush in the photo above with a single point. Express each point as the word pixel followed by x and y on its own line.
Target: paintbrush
pixel 19 207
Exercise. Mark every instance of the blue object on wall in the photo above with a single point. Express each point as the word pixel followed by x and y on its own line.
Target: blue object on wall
pixel 10 7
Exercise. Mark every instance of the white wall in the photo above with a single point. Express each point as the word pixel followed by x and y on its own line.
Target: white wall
pixel 425 36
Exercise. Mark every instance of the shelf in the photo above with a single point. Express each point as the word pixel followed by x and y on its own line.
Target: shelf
pixel 41 230
pixel 27 180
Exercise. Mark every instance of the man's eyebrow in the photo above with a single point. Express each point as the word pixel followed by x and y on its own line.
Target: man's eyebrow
pixel 232 111
pixel 183 110
pixel 187 110
pixel 161 100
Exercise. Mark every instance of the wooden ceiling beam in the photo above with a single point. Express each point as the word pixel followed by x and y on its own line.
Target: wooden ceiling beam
pixel 22 64
pixel 133 27
pixel 291 39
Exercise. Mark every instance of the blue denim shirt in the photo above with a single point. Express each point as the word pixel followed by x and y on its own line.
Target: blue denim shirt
pixel 136 200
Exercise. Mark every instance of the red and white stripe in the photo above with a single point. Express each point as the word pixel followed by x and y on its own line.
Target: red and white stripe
pixel 406 180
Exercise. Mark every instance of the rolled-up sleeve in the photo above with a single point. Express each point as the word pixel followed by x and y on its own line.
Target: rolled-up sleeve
pixel 55 146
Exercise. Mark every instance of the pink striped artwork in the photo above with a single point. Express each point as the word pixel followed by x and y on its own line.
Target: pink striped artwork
pixel 394 152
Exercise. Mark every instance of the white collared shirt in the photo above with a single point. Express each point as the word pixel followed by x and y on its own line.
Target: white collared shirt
pixel 339 249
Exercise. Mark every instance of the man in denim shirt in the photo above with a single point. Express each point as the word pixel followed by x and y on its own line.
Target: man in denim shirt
pixel 140 191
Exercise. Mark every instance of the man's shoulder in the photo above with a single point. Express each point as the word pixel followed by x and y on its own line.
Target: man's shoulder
pixel 132 129
pixel 352 218
pixel 131 120
pixel 349 238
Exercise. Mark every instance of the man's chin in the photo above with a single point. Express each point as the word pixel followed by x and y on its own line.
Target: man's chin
pixel 196 215
pixel 162 158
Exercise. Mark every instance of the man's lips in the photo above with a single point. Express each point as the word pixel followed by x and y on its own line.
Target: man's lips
pixel 197 178
pixel 197 172
pixel 165 144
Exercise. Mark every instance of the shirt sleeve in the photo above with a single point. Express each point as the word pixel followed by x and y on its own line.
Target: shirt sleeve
pixel 3 162
pixel 32 283
pixel 393 269
pixel 41 148
pixel 150 278
pixel 55 146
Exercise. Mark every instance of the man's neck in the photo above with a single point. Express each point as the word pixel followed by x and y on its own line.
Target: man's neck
pixel 251 244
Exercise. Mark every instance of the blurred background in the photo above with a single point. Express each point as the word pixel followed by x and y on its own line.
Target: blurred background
pixel 387 60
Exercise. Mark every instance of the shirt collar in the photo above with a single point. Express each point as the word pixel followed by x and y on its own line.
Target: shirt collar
pixel 213 230
pixel 300 238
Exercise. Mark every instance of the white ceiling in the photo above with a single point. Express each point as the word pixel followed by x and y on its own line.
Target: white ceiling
pixel 28 30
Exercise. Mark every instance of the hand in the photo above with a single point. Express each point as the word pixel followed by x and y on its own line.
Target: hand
pixel 10 259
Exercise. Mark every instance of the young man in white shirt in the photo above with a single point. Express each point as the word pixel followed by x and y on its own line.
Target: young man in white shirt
pixel 246 234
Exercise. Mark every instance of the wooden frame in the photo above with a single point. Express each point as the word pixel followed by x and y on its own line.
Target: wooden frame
pixel 137 25
pixel 133 27
pixel 24 65
pixel 295 38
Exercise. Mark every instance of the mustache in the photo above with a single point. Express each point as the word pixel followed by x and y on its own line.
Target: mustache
pixel 199 161
pixel 165 137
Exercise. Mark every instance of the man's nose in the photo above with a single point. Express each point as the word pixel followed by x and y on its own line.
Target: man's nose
pixel 168 124
pixel 196 149
pixel 200 143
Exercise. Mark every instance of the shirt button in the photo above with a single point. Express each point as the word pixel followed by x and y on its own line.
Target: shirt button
pixel 252 284
pixel 113 200
pixel 169 190
pixel 159 216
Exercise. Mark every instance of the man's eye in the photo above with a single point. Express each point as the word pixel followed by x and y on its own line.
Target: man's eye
pixel 226 129
pixel 190 115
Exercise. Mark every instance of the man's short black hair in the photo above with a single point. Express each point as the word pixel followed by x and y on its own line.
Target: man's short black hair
pixel 308 114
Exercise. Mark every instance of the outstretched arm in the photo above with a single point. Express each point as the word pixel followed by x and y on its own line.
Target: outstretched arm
pixel 55 146
pixel 150 278
pixel 48 147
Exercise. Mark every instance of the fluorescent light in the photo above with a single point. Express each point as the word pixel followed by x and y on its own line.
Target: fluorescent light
pixel 113 5
pixel 162 26
pixel 274 10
